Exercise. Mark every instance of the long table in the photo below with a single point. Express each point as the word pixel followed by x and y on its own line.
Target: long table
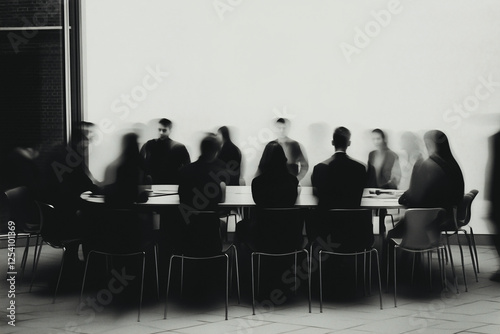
pixel 241 197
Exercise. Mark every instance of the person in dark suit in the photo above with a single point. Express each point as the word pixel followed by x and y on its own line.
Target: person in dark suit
pixel 296 159
pixel 164 157
pixel 275 187
pixel 230 154
pixel 338 184
pixel 339 181
pixel 494 194
pixel 437 183
pixel 201 188
pixel 383 164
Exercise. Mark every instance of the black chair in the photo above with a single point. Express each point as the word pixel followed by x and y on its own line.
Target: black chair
pixel 422 235
pixel 25 214
pixel 202 242
pixel 47 215
pixel 121 236
pixel 279 232
pixel 351 233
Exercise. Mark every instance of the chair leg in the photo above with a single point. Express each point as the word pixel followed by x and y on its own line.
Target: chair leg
pixel 440 268
pixel 356 271
pixel 182 274
pixel 387 264
pixel 253 285
pixel 445 278
pixel 395 278
pixel 308 276
pixel 295 272
pixel 463 265
pixel 156 272
pixel 378 272
pixel 451 263
pixel 168 285
pixel 258 273
pixel 320 284
pixel 227 282
pixel 142 285
pixel 370 274
pixel 36 266
pixel 364 273
pixel 237 273
pixel 84 274
pixel 36 251
pixel 474 247
pixel 25 257
pixel 413 268
pixel 429 263
pixel 473 260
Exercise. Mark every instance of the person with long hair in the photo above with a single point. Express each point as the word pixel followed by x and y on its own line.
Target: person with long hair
pixel 437 183
pixel 274 187
pixel 383 164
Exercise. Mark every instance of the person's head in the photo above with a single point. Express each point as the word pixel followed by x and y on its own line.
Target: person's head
pixel 273 159
pixel 209 147
pixel 341 138
pixel 81 136
pixel 130 146
pixel 437 143
pixel 410 142
pixel 164 127
pixel 379 139
pixel 223 134
pixel 282 127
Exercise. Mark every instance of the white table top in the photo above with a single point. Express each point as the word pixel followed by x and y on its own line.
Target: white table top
pixel 241 196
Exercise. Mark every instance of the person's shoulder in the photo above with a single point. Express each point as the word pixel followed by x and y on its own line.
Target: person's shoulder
pixel 176 144
pixel 325 163
pixel 356 163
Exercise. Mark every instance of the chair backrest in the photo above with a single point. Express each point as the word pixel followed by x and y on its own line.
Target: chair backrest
pixel 279 230
pixel 202 235
pixel 464 209
pixel 23 210
pixel 346 230
pixel 423 228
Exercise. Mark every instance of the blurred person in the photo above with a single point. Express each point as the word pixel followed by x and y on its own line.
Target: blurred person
pixel 18 167
pixel 411 157
pixel 296 159
pixel 274 187
pixel 63 180
pixel 339 181
pixel 230 154
pixel 437 183
pixel 493 189
pixel 383 165
pixel 163 156
pixel 201 188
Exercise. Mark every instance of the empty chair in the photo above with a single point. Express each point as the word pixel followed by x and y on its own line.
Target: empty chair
pixel 463 215
pixel 47 214
pixel 422 235
pixel 121 236
pixel 278 233
pixel 24 213
pixel 202 242
pixel 346 232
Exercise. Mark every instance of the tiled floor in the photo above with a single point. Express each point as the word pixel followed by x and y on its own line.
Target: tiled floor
pixel 418 311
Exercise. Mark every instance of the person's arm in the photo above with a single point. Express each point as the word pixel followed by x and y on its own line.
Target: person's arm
pixel 302 160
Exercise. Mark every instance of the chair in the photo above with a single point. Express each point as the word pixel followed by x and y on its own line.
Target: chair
pixel 24 212
pixel 122 239
pixel 422 236
pixel 48 214
pixel 463 215
pixel 202 242
pixel 352 231
pixel 280 234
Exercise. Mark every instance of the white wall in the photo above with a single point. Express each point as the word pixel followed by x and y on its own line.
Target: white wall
pixel 246 62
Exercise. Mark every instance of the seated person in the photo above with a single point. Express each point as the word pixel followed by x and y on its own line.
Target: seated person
pixel 437 183
pixel 275 187
pixel 200 189
pixel 230 154
pixel 338 184
pixel 383 164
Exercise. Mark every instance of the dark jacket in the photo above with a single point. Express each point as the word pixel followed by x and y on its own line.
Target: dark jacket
pixel 339 182
pixel 163 158
pixel 230 154
pixel 389 175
